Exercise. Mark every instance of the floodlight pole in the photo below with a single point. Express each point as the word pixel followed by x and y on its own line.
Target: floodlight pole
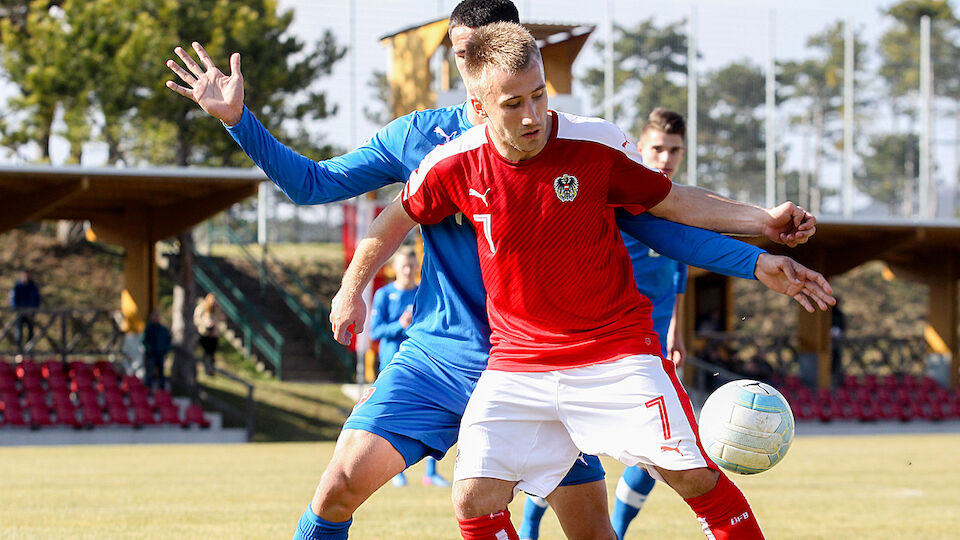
pixel 848 74
pixel 926 114
pixel 608 64
pixel 771 157
pixel 692 90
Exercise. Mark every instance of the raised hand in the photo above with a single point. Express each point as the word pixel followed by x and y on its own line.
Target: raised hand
pixel 790 224
pixel 786 276
pixel 347 313
pixel 221 96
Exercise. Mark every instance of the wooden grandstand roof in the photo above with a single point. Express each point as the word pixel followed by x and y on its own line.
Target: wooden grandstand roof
pixel 171 199
pixel 841 245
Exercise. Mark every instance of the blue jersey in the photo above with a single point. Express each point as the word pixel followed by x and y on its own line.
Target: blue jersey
pixel 449 318
pixel 389 303
pixel 660 279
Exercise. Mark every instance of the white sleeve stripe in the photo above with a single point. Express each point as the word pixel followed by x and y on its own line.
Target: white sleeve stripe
pixel 471 139
pixel 598 130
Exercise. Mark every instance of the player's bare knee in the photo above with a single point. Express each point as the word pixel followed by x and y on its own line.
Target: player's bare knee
pixel 478 497
pixel 691 483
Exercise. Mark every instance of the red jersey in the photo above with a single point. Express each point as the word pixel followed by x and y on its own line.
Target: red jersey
pixel 560 289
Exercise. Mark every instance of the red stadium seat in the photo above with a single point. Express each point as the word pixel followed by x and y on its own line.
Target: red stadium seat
pixel 11 397
pixel 57 381
pixel 194 416
pixel 28 368
pixel 52 367
pixel 139 399
pixel 143 416
pixel 88 397
pixel 60 396
pixel 162 397
pixel 13 416
pixel 102 368
pixel 119 414
pixel 78 368
pixel 66 414
pixel 36 399
pixel 113 397
pixel 39 416
pixel 108 381
pixel 92 415
pixel 851 381
pixel 131 383
pixel 792 382
pixel 169 414
pixel 888 381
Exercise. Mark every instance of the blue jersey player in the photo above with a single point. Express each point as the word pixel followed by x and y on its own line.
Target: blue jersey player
pixel 390 316
pixel 663 281
pixel 414 409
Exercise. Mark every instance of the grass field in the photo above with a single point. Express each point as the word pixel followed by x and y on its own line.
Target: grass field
pixel 899 487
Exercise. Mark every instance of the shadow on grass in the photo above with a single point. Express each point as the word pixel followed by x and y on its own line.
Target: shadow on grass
pixel 276 424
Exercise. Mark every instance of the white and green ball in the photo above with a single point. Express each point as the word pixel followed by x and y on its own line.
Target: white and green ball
pixel 746 426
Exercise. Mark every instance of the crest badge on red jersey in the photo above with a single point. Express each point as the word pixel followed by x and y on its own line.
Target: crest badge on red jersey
pixel 566 187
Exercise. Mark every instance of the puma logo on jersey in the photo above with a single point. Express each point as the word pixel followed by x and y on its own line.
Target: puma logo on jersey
pixel 477 194
pixel 446 138
pixel 672 448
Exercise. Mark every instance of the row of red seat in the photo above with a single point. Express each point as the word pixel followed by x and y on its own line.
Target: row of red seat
pixel 96 394
pixel 869 398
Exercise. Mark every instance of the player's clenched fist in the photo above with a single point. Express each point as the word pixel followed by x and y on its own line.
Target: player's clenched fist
pixel 347 313
pixel 790 224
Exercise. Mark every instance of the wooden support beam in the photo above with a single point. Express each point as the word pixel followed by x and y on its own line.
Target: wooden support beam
pixel 20 207
pixel 139 296
pixel 941 329
pixel 813 331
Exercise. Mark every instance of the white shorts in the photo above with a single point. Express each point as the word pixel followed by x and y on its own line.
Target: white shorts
pixel 530 427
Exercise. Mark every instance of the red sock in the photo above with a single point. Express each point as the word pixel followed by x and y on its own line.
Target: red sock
pixel 725 513
pixel 495 526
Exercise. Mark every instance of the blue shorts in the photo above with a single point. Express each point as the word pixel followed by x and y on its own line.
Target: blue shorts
pixel 416 404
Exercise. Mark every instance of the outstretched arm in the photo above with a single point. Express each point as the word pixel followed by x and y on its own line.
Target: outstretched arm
pixel 786 224
pixel 375 164
pixel 386 233
pixel 786 276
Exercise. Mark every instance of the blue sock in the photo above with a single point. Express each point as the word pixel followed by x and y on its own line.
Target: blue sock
pixel 314 527
pixel 632 491
pixel 431 466
pixel 533 512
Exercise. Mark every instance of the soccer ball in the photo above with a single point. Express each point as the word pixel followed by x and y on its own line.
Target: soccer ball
pixel 746 426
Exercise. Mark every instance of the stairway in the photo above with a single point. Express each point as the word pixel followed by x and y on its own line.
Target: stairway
pixel 302 358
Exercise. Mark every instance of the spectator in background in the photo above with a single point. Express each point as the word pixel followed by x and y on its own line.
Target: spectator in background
pixel 392 310
pixel 838 327
pixel 391 314
pixel 156 345
pixel 25 298
pixel 208 318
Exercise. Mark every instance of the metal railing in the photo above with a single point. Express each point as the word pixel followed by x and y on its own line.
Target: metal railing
pixel 61 332
pixel 268 342
pixel 752 355
pixel 315 318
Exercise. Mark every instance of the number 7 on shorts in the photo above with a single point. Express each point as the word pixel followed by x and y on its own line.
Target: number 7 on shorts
pixel 661 405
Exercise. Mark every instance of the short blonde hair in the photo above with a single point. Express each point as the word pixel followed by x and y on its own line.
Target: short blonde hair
pixel 508 46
